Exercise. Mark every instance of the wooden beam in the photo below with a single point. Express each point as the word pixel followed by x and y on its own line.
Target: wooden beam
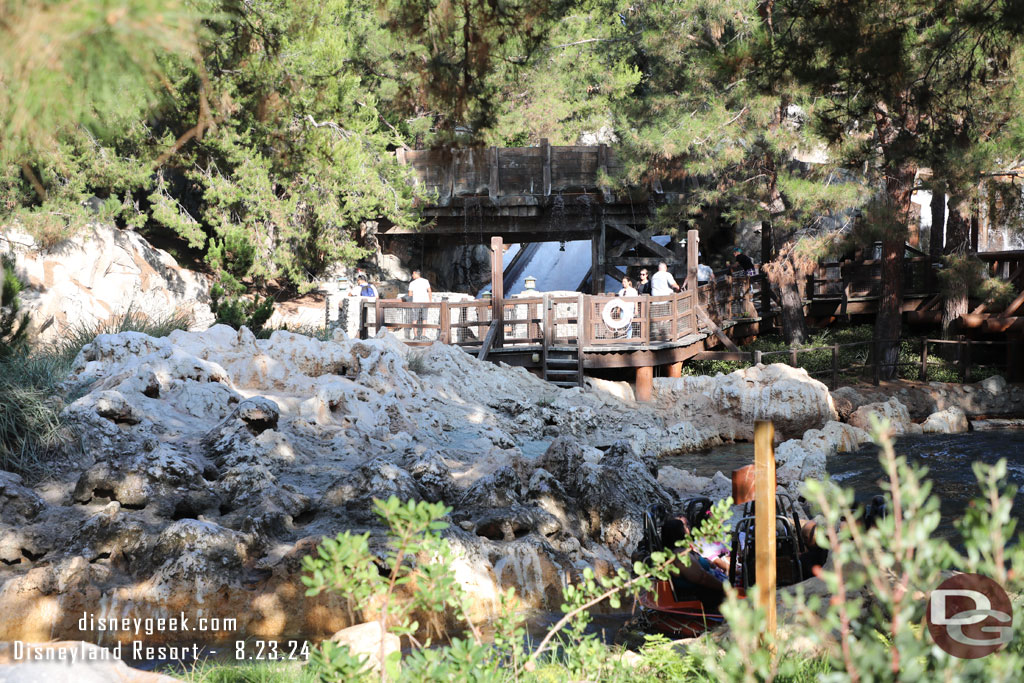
pixel 645 242
pixel 692 251
pixel 675 369
pixel 498 287
pixel 598 265
pixel 492 334
pixel 706 320
pixel 621 248
pixel 644 383
pixel 764 520
pixel 635 261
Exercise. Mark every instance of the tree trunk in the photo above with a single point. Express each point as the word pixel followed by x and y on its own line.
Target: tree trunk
pixel 955 290
pixel 938 222
pixel 899 186
pixel 792 308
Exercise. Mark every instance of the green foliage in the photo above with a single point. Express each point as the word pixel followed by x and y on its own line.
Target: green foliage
pixel 419 559
pixel 13 323
pixel 239 312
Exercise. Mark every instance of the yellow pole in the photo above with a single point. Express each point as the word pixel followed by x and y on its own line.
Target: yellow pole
pixel 764 519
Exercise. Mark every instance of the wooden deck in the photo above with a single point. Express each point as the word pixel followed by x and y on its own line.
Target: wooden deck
pixel 551 333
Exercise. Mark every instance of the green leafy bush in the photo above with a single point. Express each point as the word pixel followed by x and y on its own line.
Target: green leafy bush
pixel 241 312
pixel 419 559
pixel 13 323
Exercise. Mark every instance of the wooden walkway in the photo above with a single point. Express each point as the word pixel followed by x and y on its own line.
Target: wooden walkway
pixel 561 336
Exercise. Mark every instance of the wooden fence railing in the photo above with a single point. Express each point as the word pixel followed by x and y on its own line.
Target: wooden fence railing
pixel 634 321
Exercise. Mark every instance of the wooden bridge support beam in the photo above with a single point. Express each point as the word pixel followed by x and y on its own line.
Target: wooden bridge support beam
pixel 498 287
pixel 644 383
pixel 675 369
pixel 597 259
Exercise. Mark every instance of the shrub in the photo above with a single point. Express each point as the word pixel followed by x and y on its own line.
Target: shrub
pixel 241 312
pixel 418 556
pixel 13 323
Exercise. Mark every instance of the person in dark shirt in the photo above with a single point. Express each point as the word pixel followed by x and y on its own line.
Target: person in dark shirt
pixel 744 262
pixel 644 285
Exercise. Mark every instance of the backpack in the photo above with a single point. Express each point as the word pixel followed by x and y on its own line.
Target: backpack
pixel 367 290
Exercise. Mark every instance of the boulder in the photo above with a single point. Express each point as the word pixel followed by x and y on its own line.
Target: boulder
pixel 100 272
pixel 728 405
pixel 364 640
pixel 892 410
pixel 952 420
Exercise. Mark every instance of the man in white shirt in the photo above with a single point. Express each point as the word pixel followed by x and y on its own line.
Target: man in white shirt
pixel 419 293
pixel 663 283
pixel 419 289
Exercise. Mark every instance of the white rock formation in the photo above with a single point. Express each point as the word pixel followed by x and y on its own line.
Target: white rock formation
pixel 952 420
pixel 212 462
pixel 728 405
pixel 892 410
pixel 99 273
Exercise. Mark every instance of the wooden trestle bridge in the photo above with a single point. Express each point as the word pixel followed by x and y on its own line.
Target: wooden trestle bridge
pixel 546 193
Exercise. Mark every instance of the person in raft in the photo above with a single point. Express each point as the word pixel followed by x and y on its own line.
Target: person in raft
pixel 701 574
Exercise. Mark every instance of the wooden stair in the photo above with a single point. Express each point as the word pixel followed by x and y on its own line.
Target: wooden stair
pixel 562 366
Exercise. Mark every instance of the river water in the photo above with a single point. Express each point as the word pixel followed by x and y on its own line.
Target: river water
pixel 948 457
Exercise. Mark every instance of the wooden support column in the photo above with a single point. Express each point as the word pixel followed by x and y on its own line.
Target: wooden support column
pixel 692 249
pixel 675 369
pixel 767 254
pixel 764 520
pixel 545 156
pixel 597 258
pixel 644 383
pixel 498 289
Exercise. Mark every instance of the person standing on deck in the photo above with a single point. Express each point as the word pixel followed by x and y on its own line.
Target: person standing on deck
pixel 419 293
pixel 643 287
pixel 662 284
pixel 744 262
pixel 364 289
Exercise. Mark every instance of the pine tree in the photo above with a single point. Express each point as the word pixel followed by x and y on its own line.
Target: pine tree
pixel 893 75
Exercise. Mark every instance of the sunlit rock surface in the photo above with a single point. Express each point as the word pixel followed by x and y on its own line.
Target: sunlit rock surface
pixel 212 462
pixel 100 272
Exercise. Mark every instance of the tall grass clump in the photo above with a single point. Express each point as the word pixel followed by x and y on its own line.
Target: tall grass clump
pixel 34 438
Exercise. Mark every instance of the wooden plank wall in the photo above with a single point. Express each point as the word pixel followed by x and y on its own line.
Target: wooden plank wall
pixel 510 171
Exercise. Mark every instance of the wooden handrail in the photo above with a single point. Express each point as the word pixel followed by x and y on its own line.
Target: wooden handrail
pixel 492 334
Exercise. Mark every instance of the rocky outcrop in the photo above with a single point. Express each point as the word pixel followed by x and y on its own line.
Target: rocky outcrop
pixel 892 410
pixel 952 420
pixel 727 405
pixel 991 397
pixel 101 272
pixel 212 462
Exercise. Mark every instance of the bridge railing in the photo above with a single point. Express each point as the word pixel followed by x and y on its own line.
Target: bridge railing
pixel 861 279
pixel 632 321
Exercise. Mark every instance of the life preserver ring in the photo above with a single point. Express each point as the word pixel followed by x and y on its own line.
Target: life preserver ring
pixel 624 319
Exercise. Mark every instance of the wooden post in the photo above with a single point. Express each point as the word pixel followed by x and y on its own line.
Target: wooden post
pixel 494 182
pixel 498 288
pixel 545 157
pixel 923 376
pixel 757 357
pixel 967 362
pixel 835 367
pixel 675 369
pixel 764 519
pixel 597 258
pixel 644 383
pixel 692 249
pixel 792 357
pixel 445 321
pixel 378 316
